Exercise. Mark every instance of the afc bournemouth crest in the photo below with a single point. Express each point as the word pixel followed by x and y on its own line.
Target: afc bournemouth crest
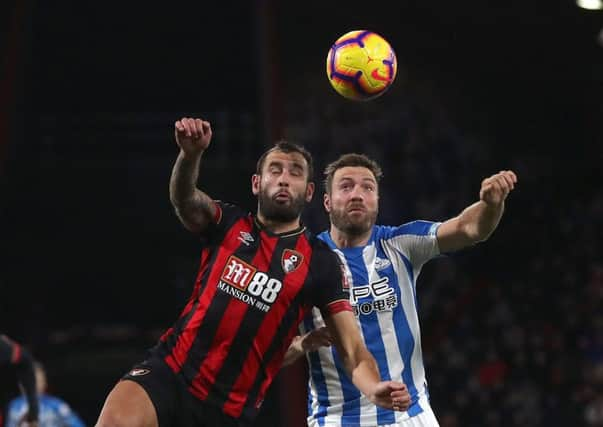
pixel 291 260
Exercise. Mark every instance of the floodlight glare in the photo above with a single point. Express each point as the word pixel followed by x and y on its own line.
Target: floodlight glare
pixel 590 4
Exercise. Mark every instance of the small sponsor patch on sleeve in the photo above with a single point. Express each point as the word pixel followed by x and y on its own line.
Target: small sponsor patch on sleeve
pixel 137 372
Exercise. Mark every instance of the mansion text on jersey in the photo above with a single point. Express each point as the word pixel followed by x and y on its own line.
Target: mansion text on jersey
pixel 246 298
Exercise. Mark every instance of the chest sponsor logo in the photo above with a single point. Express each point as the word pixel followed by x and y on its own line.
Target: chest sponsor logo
pixel 291 260
pixel 244 282
pixel 238 273
pixel 375 297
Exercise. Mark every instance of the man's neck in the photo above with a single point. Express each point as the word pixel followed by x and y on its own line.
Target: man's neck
pixel 279 227
pixel 345 240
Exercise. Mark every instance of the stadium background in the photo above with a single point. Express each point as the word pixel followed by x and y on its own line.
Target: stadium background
pixel 95 265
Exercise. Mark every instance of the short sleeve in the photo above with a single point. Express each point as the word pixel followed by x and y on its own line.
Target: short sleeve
pixel 226 215
pixel 331 293
pixel 417 240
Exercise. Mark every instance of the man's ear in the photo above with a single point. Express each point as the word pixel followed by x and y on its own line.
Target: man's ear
pixel 255 184
pixel 326 202
pixel 309 192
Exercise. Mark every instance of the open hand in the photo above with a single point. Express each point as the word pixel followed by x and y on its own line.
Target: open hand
pixel 192 135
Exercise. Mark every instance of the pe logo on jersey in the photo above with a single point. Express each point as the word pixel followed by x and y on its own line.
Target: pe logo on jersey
pixel 291 260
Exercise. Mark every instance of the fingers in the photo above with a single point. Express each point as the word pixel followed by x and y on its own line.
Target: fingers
pixel 317 338
pixel 397 387
pixel 498 185
pixel 510 178
pixel 400 397
pixel 193 128
pixel 324 332
pixel 206 128
pixel 199 127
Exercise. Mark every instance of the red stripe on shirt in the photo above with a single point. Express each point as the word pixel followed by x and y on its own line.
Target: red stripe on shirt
pixel 16 353
pixel 186 338
pixel 195 294
pixel 292 285
pixel 233 316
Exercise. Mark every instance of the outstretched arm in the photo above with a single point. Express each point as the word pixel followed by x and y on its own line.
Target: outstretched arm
pixel 477 222
pixel 361 365
pixel 194 208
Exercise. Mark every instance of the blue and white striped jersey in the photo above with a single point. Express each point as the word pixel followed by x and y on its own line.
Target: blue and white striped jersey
pixel 53 412
pixel 382 284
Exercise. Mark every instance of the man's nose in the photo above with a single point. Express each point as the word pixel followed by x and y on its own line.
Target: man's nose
pixel 357 194
pixel 283 179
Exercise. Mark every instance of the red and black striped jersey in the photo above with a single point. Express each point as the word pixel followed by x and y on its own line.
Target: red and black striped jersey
pixel 253 289
pixel 11 353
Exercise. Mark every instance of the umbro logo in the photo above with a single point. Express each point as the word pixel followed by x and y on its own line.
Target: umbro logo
pixel 382 263
pixel 245 237
pixel 139 371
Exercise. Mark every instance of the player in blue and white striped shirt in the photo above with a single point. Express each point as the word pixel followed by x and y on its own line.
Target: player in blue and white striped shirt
pixel 382 264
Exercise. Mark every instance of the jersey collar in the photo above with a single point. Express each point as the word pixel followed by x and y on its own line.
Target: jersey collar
pixel 263 228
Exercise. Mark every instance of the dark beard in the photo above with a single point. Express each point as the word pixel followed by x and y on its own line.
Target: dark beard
pixel 341 222
pixel 276 212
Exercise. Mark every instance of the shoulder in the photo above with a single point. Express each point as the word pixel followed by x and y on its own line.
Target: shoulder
pixel 322 255
pixel 320 247
pixel 226 216
pixel 226 210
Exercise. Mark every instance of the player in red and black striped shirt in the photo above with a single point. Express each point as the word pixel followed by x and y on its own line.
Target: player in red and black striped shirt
pixel 259 276
pixel 12 353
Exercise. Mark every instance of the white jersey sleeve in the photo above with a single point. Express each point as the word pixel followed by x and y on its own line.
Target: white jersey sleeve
pixel 416 240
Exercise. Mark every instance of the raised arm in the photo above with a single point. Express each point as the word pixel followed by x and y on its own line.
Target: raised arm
pixel 194 208
pixel 477 222
pixel 361 365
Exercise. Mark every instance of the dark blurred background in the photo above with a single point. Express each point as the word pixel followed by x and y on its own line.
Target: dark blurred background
pixel 95 265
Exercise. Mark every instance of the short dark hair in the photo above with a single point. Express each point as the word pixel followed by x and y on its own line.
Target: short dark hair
pixel 287 147
pixel 352 160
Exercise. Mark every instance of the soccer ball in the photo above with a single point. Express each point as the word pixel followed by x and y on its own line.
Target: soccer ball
pixel 361 65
